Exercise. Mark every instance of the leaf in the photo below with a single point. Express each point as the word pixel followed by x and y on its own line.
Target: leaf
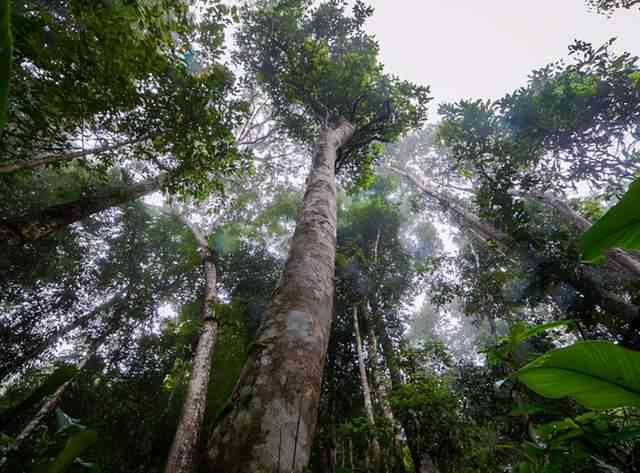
pixel 75 446
pixel 5 58
pixel 65 422
pixel 619 227
pixel 599 375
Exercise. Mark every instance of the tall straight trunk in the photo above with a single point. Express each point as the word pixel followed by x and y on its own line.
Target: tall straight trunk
pixel 364 382
pixel 382 394
pixel 43 223
pixel 374 452
pixel 182 456
pixel 422 461
pixel 62 157
pixel 271 418
pixel 15 364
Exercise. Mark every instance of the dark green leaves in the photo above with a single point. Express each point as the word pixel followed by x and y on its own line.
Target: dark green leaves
pixel 619 227
pixel 599 375
pixel 76 445
pixel 5 58
pixel 319 65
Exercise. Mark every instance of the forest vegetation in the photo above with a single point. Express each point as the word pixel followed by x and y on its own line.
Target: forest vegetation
pixel 232 241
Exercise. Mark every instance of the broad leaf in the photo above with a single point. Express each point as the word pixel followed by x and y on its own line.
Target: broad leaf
pixel 75 446
pixel 599 375
pixel 619 227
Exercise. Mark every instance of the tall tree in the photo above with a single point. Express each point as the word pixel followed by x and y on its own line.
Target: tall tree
pixel 321 71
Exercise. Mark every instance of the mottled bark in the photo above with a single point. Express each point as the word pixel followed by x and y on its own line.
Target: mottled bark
pixel 182 455
pixel 62 157
pixel 271 418
pixel 43 223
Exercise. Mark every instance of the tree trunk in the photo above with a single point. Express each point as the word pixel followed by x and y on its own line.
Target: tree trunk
pixel 14 364
pixel 183 451
pixel 582 281
pixel 271 418
pixel 381 389
pixel 366 391
pixel 52 403
pixel 618 256
pixel 43 223
pixel 60 157
pixel 364 382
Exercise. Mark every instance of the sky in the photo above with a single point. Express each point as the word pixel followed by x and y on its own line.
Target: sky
pixel 487 48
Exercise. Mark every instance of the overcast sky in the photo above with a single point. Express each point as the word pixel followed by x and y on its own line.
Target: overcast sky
pixel 486 48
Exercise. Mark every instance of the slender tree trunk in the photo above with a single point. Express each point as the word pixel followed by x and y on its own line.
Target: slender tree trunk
pixel 366 391
pixel 271 418
pixel 618 256
pixel 382 394
pixel 182 455
pixel 43 223
pixel 15 364
pixel 364 382
pixel 583 281
pixel 61 157
pixel 52 403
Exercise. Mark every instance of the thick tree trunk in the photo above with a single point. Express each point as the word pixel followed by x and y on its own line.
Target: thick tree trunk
pixel 43 223
pixel 182 455
pixel 271 418
pixel 15 364
pixel 61 157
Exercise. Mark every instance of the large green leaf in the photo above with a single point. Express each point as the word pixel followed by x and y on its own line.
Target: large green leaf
pixel 619 227
pixel 599 375
pixel 5 58
pixel 75 446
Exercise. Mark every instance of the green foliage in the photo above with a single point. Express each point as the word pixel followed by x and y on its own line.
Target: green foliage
pixel 6 47
pixel 319 66
pixel 506 347
pixel 599 375
pixel 75 446
pixel 619 227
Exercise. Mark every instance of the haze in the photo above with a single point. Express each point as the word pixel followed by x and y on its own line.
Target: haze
pixel 485 49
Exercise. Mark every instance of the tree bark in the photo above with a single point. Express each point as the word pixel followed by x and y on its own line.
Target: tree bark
pixel 271 418
pixel 182 455
pixel 620 257
pixel 381 390
pixel 582 281
pixel 366 391
pixel 60 157
pixel 364 382
pixel 43 223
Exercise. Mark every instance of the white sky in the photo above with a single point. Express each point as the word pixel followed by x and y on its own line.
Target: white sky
pixel 487 48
